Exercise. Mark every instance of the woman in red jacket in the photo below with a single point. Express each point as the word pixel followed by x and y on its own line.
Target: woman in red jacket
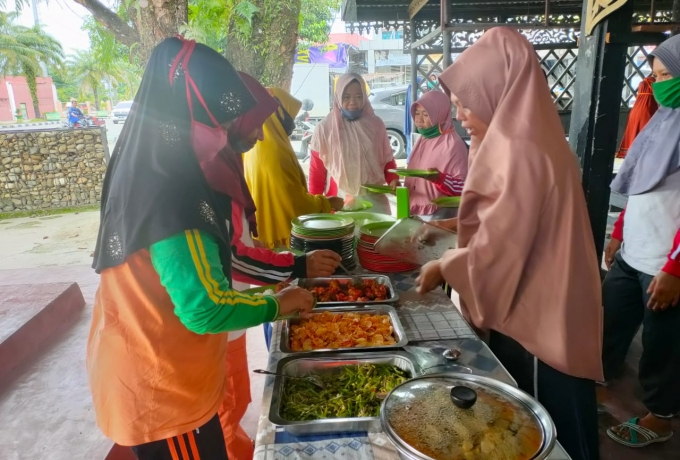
pixel 350 148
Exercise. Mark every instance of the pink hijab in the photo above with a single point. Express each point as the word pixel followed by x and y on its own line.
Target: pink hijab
pixel 354 152
pixel 447 152
pixel 526 264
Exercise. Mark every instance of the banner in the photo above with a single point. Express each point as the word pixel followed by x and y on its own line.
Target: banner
pixel 333 55
pixel 392 58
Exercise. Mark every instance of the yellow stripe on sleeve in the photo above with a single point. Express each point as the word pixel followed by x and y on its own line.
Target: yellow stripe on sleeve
pixel 211 285
pixel 199 267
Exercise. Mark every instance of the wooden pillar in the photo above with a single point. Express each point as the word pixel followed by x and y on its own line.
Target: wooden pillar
pixel 597 106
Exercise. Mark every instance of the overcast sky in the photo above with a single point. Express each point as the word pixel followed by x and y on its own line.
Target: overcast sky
pixel 62 19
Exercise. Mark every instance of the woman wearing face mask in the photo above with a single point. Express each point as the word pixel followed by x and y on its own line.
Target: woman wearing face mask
pixel 441 149
pixel 158 340
pixel 522 210
pixel 251 265
pixel 350 148
pixel 643 283
pixel 276 179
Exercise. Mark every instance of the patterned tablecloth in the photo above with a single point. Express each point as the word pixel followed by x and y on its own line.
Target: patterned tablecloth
pixel 433 324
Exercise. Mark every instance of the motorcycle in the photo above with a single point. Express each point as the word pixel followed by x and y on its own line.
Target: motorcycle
pixel 86 122
pixel 305 153
pixel 303 119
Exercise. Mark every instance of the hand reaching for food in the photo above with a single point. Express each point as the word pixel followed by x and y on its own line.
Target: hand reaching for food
pixel 294 300
pixel 336 203
pixel 430 277
pixel 448 224
pixel 322 263
pixel 424 234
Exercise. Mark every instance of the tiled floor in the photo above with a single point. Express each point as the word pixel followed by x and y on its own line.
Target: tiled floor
pixel 48 407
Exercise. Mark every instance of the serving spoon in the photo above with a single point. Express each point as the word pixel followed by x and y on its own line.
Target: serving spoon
pixel 310 378
pixel 356 281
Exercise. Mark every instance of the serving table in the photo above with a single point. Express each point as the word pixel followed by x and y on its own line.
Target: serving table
pixel 433 324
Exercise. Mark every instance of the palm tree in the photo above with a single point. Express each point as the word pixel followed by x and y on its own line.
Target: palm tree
pixel 90 72
pixel 22 49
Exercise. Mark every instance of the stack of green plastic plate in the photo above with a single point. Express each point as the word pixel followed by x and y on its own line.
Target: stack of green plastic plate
pixel 322 226
pixel 325 231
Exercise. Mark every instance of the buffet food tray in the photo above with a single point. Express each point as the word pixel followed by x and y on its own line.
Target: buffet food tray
pixel 317 364
pixel 399 331
pixel 380 279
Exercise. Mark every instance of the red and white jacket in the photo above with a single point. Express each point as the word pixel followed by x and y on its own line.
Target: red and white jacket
pixel 321 184
pixel 259 266
pixel 672 266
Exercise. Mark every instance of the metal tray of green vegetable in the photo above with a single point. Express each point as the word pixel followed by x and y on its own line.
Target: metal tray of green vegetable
pixel 348 403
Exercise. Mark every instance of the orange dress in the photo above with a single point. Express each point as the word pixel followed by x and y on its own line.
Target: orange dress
pixel 644 108
pixel 148 371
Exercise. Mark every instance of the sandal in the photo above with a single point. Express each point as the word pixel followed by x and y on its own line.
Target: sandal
pixel 648 436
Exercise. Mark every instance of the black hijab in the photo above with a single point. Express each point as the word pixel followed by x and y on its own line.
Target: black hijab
pixel 154 186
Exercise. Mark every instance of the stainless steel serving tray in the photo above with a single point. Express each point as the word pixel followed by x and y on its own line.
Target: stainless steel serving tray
pixel 399 331
pixel 328 362
pixel 381 279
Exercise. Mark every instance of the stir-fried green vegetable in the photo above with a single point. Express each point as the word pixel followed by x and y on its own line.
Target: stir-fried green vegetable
pixel 351 392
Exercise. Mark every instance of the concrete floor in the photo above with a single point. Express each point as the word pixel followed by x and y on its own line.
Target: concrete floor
pixel 45 404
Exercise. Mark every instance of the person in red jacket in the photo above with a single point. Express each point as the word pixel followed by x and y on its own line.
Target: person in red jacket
pixel 350 148
pixel 642 286
pixel 644 108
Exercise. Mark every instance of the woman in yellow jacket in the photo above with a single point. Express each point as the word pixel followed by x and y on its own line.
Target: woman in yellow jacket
pixel 276 180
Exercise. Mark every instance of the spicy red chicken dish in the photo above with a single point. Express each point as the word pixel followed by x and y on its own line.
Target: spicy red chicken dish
pixel 336 291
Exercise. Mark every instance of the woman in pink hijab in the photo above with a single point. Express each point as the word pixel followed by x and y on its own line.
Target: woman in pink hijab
pixel 525 268
pixel 350 148
pixel 439 148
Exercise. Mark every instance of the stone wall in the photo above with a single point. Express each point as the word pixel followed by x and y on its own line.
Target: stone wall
pixel 51 169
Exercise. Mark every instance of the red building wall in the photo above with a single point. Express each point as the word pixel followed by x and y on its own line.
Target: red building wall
pixel 22 95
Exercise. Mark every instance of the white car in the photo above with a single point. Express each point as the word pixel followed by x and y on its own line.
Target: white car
pixel 121 111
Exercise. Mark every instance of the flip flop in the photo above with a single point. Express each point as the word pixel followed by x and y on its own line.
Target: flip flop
pixel 649 437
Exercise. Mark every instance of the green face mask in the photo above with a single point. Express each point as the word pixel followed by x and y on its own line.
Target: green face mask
pixel 667 93
pixel 431 132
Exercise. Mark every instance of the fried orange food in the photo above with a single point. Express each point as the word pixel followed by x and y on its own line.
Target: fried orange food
pixel 368 290
pixel 342 330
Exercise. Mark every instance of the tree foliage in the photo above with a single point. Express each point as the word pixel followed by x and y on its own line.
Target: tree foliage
pixel 208 20
pixel 316 18
pixel 23 49
pixel 260 36
pixel 93 74
pixel 104 44
pixel 121 67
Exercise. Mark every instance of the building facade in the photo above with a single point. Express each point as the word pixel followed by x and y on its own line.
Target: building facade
pixel 15 95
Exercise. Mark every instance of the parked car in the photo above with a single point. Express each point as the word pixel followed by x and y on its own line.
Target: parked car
pixel 121 111
pixel 390 105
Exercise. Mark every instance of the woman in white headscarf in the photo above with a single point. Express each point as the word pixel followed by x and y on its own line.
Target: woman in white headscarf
pixel 350 148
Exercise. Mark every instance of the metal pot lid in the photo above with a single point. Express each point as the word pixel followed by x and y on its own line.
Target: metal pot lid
pixel 467 417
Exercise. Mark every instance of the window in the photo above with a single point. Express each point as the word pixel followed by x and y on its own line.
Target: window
pixel 24 111
pixel 398 99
